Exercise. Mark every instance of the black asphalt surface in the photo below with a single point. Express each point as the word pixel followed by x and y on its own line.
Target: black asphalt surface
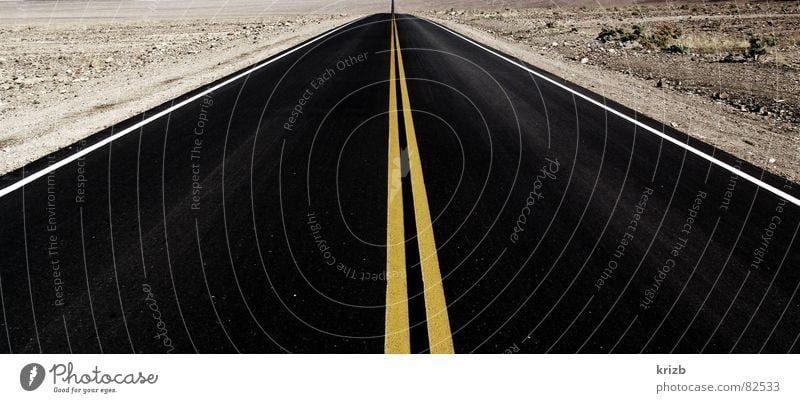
pixel 224 226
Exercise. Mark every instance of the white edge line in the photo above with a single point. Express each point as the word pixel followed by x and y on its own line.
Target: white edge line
pixel 756 181
pixel 28 179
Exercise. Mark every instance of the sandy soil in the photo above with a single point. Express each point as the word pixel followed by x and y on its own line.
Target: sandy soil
pixel 70 68
pixel 54 9
pixel 64 80
pixel 713 91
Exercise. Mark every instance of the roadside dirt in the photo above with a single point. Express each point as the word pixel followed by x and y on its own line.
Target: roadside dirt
pixel 63 80
pixel 689 66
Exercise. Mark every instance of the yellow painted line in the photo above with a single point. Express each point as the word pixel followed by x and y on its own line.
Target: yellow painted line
pixel 397 339
pixel 439 335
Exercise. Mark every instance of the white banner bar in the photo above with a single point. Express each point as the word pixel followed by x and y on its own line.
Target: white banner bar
pixel 339 378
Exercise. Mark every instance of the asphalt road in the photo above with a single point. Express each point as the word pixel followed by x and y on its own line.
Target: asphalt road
pixel 377 191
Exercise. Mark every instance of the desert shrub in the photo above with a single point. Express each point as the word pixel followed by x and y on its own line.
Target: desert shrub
pixel 631 36
pixel 759 44
pixel 607 34
pixel 660 39
pixel 638 30
pixel 656 41
pixel 675 48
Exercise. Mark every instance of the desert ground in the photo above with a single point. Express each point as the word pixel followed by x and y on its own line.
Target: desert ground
pixel 65 80
pixel 71 68
pixel 172 9
pixel 725 72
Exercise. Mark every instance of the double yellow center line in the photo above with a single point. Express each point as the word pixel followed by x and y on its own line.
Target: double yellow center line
pixel 398 338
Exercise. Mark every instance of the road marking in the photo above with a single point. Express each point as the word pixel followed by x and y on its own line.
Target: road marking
pixel 398 338
pixel 50 168
pixel 439 335
pixel 728 167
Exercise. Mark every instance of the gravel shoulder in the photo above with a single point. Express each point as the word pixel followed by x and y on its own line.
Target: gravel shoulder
pixel 750 109
pixel 64 80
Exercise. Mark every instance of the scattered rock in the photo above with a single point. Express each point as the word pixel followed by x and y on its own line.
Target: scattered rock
pixel 584 60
